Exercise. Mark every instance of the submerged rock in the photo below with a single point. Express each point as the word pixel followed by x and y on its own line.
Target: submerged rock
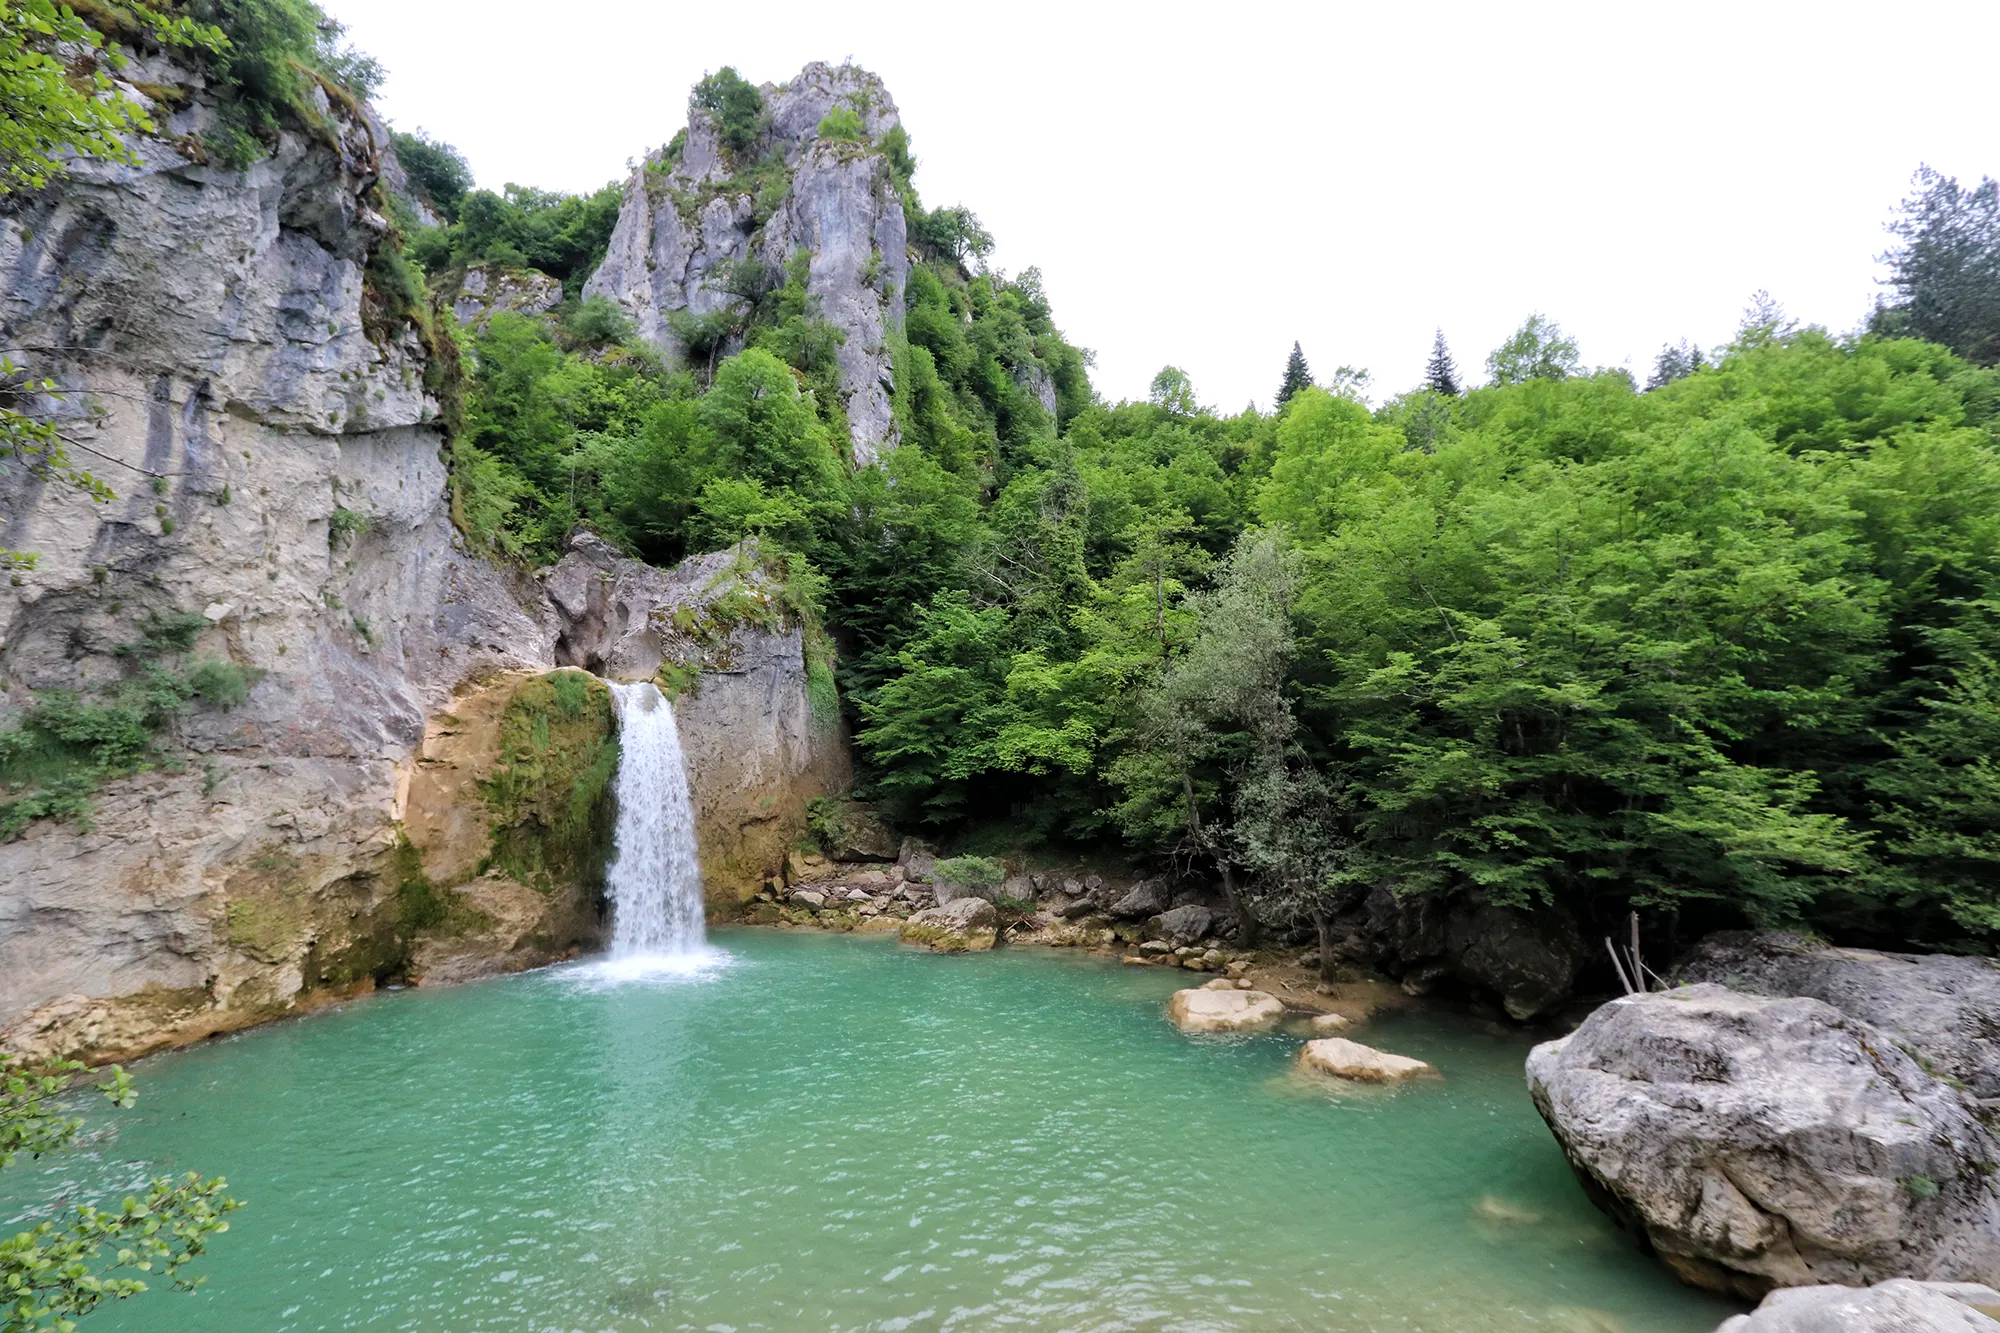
pixel 964 925
pixel 1204 1010
pixel 1943 1008
pixel 1896 1306
pixel 1340 1058
pixel 1761 1143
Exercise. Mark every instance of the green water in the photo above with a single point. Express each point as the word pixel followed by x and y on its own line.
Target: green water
pixel 833 1132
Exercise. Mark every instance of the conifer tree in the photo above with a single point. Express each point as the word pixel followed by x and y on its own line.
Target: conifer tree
pixel 1296 377
pixel 1441 375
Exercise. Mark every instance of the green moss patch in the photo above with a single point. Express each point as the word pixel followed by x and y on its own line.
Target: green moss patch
pixel 550 794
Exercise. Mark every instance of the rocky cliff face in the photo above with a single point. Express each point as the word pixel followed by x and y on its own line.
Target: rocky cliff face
pixel 233 362
pixel 693 211
pixel 714 633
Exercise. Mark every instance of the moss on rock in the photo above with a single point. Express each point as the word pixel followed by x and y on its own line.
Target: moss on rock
pixel 550 792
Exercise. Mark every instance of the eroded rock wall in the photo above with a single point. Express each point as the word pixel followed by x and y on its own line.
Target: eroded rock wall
pixel 227 365
pixel 687 217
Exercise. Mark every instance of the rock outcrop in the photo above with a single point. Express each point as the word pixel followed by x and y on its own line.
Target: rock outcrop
pixel 715 634
pixel 485 288
pixel 235 355
pixel 232 362
pixel 1528 959
pixel 1897 1306
pixel 1759 1143
pixel 696 211
pixel 965 925
pixel 1943 1009
pixel 1204 1010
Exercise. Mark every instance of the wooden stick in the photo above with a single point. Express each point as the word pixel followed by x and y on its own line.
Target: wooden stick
pixel 1619 966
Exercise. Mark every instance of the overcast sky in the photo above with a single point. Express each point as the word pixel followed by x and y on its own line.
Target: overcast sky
pixel 1203 185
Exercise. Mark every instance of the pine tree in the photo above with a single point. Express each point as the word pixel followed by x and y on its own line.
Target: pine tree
pixel 1296 377
pixel 1675 363
pixel 1441 375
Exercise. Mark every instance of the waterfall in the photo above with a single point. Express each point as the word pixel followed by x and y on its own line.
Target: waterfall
pixel 655 878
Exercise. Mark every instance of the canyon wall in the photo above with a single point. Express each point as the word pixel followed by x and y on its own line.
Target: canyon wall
pixel 237 358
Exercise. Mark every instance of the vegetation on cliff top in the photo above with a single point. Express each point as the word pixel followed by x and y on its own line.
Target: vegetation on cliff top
pixel 1724 647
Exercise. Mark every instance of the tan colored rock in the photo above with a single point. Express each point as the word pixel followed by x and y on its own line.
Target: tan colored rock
pixel 1331 1025
pixel 1341 1058
pixel 964 925
pixel 1205 1010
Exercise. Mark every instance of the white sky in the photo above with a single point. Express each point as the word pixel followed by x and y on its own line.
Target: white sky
pixel 1201 185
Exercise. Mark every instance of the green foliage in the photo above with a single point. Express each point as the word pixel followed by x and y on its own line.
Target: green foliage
pixel 65 746
pixel 974 872
pixel 55 1273
pixel 59 92
pixel 1539 350
pixel 549 794
pixel 562 235
pixel 735 105
pixel 1946 270
pixel 843 125
pixel 1297 376
pixel 438 173
pixel 1441 372
pixel 343 526
pixel 278 53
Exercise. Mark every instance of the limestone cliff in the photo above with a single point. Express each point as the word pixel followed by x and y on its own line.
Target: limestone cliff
pixel 696 208
pixel 234 356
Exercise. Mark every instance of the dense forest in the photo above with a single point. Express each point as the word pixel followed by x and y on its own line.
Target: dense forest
pixel 1726 643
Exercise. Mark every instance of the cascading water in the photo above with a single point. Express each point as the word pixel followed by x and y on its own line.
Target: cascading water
pixel 655 878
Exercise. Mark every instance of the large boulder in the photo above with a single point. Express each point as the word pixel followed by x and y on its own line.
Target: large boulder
pixel 1898 1306
pixel 1337 1057
pixel 1183 925
pixel 964 925
pixel 1144 899
pixel 1943 1008
pixel 1204 1010
pixel 1760 1143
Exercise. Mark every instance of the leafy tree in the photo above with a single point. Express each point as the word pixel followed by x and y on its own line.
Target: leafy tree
pixel 563 235
pixel 1172 391
pixel 1297 377
pixel 1946 271
pixel 1441 372
pixel 54 1273
pixel 438 172
pixel 735 105
pixel 955 233
pixel 1539 350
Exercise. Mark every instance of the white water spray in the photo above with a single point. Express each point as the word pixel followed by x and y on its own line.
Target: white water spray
pixel 655 879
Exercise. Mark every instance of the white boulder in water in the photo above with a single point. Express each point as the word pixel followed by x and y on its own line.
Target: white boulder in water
pixel 1338 1057
pixel 1205 1010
